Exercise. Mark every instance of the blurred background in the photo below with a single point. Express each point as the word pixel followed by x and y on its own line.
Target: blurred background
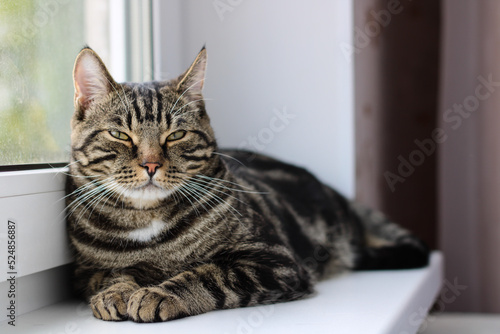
pixel 393 102
pixel 427 139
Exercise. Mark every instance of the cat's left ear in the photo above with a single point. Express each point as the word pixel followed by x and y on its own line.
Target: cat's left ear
pixel 194 77
pixel 91 79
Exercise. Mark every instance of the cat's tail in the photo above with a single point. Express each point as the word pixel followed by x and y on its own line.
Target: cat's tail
pixel 388 245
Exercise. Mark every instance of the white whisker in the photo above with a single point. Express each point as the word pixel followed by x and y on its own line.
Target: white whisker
pixel 181 191
pixel 121 100
pixel 174 115
pixel 230 157
pixel 205 185
pixel 218 183
pixel 196 190
pixel 216 198
pixel 170 111
pixel 83 195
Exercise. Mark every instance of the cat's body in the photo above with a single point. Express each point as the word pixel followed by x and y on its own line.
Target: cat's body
pixel 166 225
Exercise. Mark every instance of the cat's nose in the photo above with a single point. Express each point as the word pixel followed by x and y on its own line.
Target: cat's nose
pixel 151 167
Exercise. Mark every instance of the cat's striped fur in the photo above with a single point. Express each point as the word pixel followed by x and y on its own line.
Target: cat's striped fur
pixel 165 225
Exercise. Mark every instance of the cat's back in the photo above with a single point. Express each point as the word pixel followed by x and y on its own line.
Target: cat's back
pixel 255 167
pixel 280 182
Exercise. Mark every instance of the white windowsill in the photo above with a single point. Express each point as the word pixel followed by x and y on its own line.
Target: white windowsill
pixel 383 302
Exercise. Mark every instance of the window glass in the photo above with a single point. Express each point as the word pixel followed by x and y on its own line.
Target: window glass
pixel 39 40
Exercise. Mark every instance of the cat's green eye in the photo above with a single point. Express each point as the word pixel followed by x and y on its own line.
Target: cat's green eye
pixel 119 135
pixel 176 135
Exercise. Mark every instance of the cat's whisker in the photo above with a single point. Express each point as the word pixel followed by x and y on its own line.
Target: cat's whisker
pixel 210 211
pixel 221 201
pixel 210 178
pixel 177 197
pixel 119 96
pixel 193 193
pixel 217 182
pixel 183 193
pixel 120 195
pixel 126 98
pixel 79 192
pixel 185 91
pixel 62 170
pixel 172 188
pixel 105 195
pixel 86 186
pixel 78 176
pixel 73 206
pixel 81 199
pixel 174 115
pixel 66 166
pixel 197 190
pixel 205 185
pixel 104 201
pixel 229 157
pixel 109 189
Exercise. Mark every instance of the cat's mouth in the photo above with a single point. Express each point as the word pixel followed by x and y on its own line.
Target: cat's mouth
pixel 149 186
pixel 146 195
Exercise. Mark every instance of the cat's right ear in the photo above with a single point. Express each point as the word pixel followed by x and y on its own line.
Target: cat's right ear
pixel 194 77
pixel 91 79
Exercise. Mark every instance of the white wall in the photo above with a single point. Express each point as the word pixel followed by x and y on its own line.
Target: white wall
pixel 266 58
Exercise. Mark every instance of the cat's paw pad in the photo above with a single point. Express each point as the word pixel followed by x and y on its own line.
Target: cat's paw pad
pixel 154 304
pixel 111 304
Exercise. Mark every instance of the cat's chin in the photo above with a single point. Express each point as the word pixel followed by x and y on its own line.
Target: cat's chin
pixel 146 197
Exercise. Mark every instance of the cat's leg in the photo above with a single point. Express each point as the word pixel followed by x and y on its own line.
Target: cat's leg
pixel 214 286
pixel 109 293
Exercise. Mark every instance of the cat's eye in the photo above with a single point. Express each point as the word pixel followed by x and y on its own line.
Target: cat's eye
pixel 119 135
pixel 176 135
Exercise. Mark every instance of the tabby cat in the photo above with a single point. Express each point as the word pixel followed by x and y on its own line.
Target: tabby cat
pixel 166 225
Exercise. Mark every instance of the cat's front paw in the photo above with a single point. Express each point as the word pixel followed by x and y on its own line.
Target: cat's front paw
pixel 154 304
pixel 111 304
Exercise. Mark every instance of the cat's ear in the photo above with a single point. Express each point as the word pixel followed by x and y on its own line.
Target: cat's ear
pixel 91 79
pixel 194 77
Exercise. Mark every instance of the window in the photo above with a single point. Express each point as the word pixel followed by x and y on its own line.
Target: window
pixel 39 41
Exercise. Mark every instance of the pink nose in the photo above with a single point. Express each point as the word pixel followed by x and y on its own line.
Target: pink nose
pixel 151 167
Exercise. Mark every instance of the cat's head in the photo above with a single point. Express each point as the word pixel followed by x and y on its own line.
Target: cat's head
pixel 139 141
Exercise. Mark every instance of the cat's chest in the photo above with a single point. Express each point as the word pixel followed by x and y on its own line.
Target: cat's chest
pixel 148 232
pixel 158 238
pixel 137 225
